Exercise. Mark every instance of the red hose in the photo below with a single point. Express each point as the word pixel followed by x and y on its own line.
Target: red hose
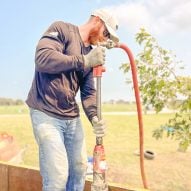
pixel 139 110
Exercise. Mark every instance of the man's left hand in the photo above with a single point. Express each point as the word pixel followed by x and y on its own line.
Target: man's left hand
pixel 99 126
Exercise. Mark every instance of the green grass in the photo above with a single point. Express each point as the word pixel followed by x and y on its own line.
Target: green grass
pixel 121 141
pixel 16 109
pixel 118 107
pixel 23 109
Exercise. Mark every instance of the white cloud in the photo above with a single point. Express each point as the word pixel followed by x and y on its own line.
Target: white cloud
pixel 159 16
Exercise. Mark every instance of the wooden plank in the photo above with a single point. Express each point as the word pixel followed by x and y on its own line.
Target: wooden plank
pixel 87 186
pixel 20 178
pixel 113 188
pixel 3 177
pixel 110 188
pixel 24 179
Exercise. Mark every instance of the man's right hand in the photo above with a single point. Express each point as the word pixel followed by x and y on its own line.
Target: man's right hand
pixel 95 57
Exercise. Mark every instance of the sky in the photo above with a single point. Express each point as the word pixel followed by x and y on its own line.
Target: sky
pixel 23 22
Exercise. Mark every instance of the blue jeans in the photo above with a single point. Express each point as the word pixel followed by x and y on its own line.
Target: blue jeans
pixel 62 152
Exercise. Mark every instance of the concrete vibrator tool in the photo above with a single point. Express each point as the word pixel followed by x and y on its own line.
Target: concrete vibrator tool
pixel 99 164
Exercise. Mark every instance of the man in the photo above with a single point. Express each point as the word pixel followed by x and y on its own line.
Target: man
pixel 64 61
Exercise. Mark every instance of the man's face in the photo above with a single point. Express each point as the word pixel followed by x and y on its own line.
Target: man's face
pixel 99 33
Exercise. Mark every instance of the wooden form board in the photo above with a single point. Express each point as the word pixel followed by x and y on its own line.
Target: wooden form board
pixel 20 178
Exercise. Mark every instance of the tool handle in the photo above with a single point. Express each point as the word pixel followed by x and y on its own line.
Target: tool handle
pixel 97 73
pixel 98 70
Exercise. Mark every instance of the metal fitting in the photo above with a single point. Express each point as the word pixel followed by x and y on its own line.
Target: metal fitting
pixel 108 44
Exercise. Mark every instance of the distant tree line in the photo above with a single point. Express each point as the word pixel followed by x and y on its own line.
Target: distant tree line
pixel 119 101
pixel 9 101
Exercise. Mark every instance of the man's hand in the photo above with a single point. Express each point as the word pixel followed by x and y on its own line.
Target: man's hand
pixel 95 57
pixel 98 126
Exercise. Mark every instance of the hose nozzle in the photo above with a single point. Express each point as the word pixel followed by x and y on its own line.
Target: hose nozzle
pixel 108 44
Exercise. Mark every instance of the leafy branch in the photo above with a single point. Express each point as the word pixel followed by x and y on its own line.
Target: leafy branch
pixel 160 87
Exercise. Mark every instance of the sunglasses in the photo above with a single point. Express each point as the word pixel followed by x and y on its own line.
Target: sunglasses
pixel 106 33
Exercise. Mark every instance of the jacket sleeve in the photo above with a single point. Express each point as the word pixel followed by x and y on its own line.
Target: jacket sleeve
pixel 50 57
pixel 88 96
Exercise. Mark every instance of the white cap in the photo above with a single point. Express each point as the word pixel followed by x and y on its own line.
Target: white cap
pixel 110 22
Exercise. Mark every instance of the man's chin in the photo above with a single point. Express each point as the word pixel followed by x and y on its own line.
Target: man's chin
pixel 93 43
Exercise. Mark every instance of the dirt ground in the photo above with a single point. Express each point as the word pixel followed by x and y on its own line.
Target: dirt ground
pixel 166 172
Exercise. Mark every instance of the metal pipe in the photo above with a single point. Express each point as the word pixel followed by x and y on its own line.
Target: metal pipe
pixel 98 98
pixel 99 179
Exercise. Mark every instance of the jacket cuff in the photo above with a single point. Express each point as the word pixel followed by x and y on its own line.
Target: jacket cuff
pixel 80 63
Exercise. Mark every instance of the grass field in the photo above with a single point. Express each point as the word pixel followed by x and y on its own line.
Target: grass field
pixel 169 171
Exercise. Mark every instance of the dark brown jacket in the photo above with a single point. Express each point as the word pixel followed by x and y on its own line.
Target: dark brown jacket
pixel 60 73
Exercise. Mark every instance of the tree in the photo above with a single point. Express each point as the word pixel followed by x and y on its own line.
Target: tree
pixel 9 101
pixel 160 85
